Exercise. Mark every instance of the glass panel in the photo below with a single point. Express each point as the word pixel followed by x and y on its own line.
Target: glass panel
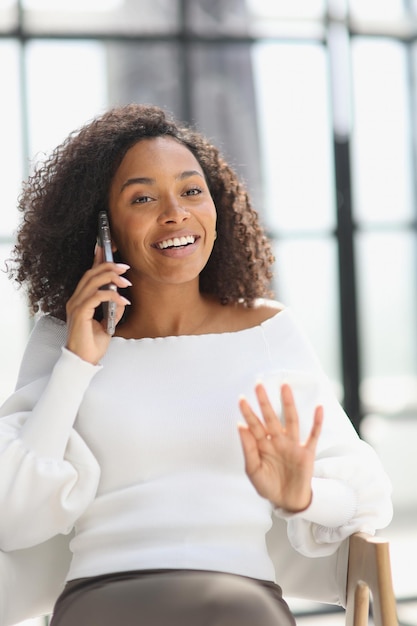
pixel 224 107
pixel 8 15
pixel 295 9
pixel 413 94
pixel 63 98
pixel 382 160
pixel 280 18
pixel 101 16
pixel 240 17
pixel 14 328
pixel 256 17
pixel 296 145
pixel 380 10
pixel 145 72
pixel 387 314
pixel 226 17
pixel 306 278
pixel 10 136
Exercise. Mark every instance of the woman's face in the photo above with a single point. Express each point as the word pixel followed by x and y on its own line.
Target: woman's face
pixel 163 218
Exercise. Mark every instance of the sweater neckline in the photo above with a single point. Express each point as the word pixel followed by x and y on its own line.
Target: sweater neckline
pixel 184 337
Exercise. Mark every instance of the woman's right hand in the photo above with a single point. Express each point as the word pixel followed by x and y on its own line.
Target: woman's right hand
pixel 87 337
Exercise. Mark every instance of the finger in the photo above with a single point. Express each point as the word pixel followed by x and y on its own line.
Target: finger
pixel 109 295
pixel 257 428
pixel 316 428
pixel 272 421
pixel 118 314
pixel 84 304
pixel 100 275
pixel 113 279
pixel 250 449
pixel 289 413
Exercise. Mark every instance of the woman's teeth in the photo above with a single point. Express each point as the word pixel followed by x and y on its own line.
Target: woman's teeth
pixel 176 242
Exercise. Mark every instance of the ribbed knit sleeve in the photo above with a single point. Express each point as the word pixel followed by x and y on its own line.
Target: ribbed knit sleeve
pixel 351 491
pixel 48 474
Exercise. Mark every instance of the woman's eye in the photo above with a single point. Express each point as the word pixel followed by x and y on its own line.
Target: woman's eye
pixel 141 200
pixel 193 192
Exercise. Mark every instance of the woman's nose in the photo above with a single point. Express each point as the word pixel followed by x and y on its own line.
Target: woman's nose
pixel 173 212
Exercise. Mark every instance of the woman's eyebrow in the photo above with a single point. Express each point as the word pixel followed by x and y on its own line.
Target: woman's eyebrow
pixel 143 180
pixel 188 173
pixel 137 181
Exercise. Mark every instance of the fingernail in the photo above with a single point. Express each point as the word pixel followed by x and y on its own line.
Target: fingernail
pixel 125 300
pixel 125 281
pixel 123 266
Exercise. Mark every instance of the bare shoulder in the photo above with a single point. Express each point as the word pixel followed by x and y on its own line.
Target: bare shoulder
pixel 263 310
pixel 241 317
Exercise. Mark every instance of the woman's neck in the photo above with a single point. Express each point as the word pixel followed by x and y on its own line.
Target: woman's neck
pixel 168 311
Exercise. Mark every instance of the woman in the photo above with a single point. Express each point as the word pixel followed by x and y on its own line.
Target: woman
pixel 132 442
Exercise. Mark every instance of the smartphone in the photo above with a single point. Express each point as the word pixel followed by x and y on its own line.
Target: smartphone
pixel 104 241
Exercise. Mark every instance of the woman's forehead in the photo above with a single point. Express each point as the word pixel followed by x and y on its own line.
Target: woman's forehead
pixel 152 155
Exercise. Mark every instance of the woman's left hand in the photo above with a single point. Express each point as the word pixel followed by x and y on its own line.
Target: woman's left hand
pixel 278 464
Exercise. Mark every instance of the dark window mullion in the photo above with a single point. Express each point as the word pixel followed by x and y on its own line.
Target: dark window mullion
pixel 347 282
pixel 341 86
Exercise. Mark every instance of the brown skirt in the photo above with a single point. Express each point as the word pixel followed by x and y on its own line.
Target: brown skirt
pixel 171 598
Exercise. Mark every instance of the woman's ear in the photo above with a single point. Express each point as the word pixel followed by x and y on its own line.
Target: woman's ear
pixel 116 256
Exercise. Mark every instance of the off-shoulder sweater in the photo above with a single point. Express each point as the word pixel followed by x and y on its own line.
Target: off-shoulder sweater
pixel 140 456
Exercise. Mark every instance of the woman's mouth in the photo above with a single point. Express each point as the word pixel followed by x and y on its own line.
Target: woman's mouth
pixel 176 242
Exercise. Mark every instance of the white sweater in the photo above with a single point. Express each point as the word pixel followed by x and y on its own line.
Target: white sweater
pixel 141 455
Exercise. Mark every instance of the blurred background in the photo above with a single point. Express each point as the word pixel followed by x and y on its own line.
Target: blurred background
pixel 314 103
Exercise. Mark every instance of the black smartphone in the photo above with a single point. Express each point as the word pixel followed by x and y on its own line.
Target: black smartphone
pixel 104 241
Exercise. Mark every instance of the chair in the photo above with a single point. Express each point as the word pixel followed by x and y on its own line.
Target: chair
pixel 369 572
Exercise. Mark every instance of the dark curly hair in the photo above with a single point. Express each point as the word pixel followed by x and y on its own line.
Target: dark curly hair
pixel 60 203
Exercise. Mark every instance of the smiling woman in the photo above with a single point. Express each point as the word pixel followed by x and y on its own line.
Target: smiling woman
pixel 63 198
pixel 142 456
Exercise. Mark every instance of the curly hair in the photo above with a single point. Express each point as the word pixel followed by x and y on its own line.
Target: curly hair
pixel 61 200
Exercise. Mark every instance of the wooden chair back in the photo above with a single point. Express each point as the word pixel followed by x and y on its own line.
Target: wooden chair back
pixel 369 577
